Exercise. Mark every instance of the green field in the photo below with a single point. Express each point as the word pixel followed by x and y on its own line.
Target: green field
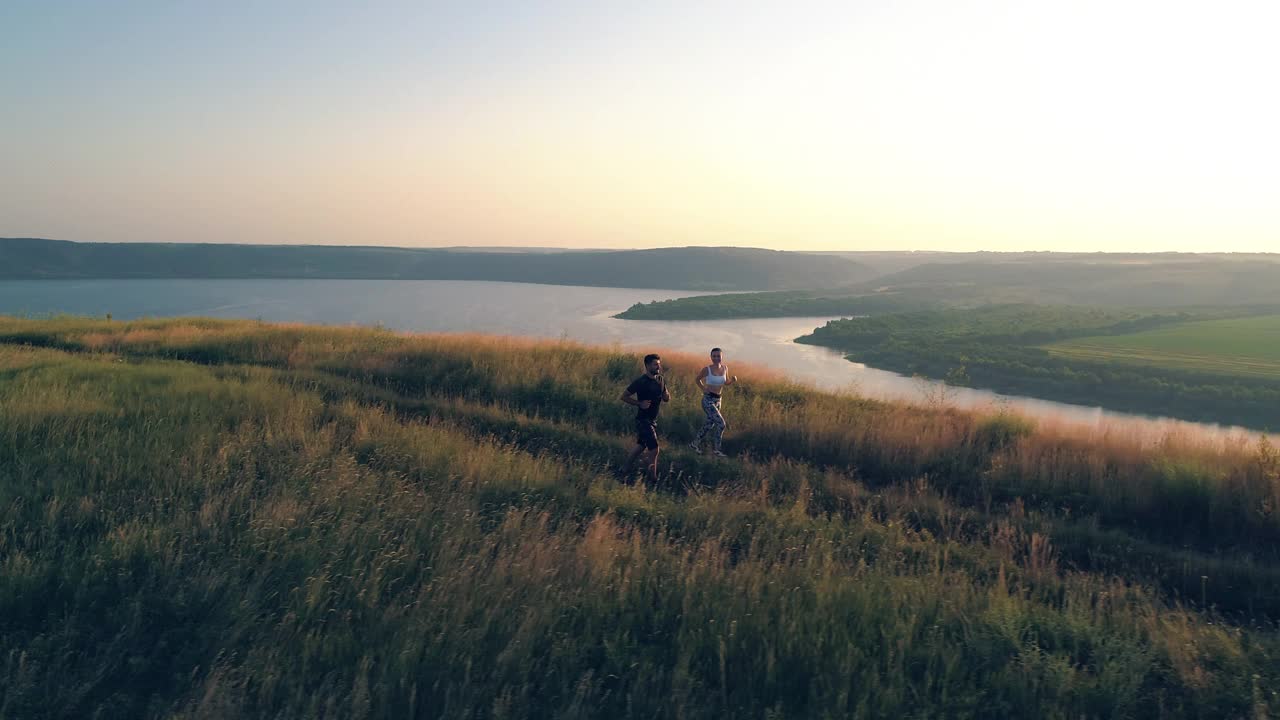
pixel 1205 364
pixel 208 519
pixel 1241 346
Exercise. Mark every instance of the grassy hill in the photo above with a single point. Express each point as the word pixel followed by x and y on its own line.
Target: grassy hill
pixel 209 518
pixel 690 268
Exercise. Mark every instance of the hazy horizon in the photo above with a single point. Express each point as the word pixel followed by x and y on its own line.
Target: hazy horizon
pixel 552 248
pixel 955 127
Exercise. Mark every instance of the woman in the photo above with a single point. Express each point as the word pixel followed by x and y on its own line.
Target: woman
pixel 712 380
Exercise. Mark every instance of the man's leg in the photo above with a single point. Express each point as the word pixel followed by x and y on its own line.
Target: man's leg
pixel 653 466
pixel 631 459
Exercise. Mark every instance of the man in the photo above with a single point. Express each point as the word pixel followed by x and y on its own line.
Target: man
pixel 647 393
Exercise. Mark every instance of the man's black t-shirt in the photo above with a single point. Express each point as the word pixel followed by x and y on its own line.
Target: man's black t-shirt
pixel 646 388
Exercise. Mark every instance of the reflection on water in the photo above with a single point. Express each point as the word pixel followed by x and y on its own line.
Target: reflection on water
pixel 578 313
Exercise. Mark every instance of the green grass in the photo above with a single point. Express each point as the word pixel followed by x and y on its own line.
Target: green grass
pixel 232 519
pixel 1240 346
pixel 1037 350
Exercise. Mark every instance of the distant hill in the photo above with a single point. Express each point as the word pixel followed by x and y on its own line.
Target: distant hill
pixel 1163 280
pixel 690 268
pixel 888 262
pixel 1139 281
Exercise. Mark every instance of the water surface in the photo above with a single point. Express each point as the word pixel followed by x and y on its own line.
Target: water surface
pixel 551 311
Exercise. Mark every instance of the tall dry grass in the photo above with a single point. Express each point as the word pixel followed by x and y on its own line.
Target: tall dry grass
pixel 206 518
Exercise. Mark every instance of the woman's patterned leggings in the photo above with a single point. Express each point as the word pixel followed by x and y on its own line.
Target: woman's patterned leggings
pixel 715 424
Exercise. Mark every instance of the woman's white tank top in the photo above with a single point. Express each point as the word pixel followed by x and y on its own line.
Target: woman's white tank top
pixel 714 380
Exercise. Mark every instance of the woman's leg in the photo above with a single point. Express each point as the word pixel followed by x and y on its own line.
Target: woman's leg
pixel 715 424
pixel 709 423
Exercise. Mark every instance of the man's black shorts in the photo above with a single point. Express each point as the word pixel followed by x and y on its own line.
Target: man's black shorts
pixel 647 433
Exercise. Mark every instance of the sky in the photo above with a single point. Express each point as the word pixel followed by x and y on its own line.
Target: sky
pixel 1123 125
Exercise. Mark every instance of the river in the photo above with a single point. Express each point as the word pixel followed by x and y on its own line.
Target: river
pixel 553 311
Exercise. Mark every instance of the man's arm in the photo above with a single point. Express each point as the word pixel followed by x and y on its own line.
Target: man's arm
pixel 630 397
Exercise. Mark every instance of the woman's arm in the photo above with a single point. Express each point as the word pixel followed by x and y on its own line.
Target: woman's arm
pixel 701 379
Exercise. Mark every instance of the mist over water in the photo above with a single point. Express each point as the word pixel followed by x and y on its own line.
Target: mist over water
pixel 550 311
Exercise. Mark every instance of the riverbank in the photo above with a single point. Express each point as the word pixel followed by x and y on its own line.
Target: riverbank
pixel 1015 349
